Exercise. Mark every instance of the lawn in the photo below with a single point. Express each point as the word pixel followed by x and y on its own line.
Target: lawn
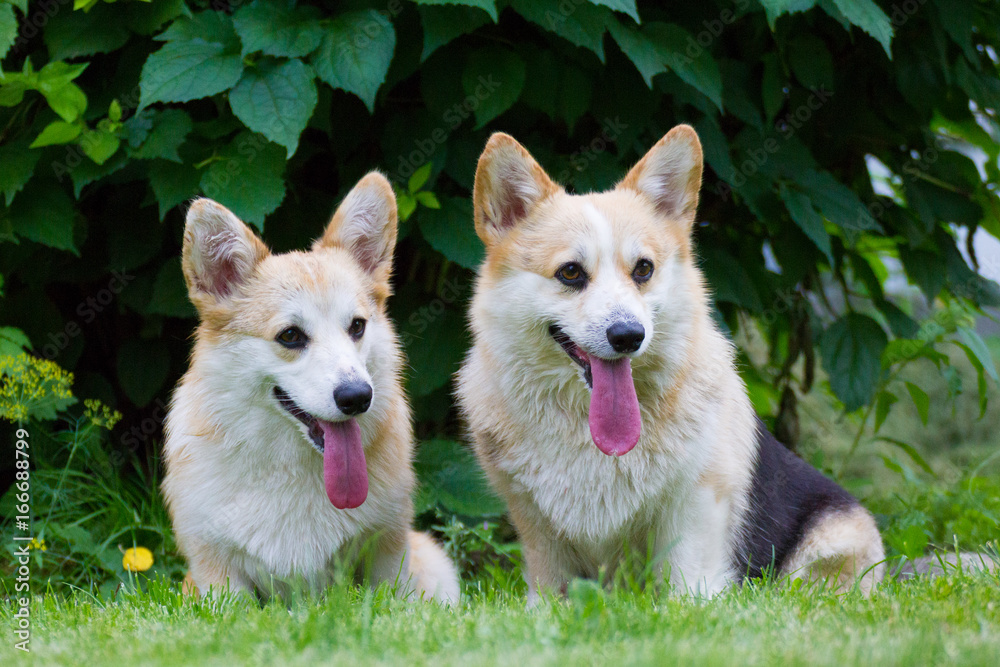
pixel 953 619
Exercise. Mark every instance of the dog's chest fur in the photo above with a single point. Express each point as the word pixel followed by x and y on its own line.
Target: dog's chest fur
pixel 594 500
pixel 256 490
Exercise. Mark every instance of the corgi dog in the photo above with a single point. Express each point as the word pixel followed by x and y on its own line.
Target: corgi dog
pixel 289 440
pixel 604 402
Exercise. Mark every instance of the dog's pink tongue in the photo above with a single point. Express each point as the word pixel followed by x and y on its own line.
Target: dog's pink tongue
pixel 614 409
pixel 345 472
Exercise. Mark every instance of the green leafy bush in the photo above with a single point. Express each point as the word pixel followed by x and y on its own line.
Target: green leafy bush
pixel 114 114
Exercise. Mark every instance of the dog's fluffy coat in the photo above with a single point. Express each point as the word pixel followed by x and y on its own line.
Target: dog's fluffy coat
pixel 705 486
pixel 244 482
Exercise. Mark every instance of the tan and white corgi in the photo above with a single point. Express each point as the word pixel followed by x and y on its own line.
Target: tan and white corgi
pixel 604 402
pixel 288 441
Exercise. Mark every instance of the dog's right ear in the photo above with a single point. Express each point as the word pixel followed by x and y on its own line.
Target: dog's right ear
pixel 220 253
pixel 509 183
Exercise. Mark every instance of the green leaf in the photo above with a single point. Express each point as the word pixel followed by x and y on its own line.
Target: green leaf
pixel 275 28
pixel 13 341
pixel 625 6
pixel 584 26
pixel 983 388
pixel 921 400
pixel 775 8
pixel 248 179
pixel 170 295
pixel 851 349
pixel 557 88
pixel 99 145
pixel 428 199
pixel 869 17
pixel 170 128
pixel 980 350
pixel 444 24
pixel 54 81
pixel 699 71
pixel 488 6
pixel 911 451
pixel 209 26
pixel 406 205
pixel 419 177
pixel 143 366
pixel 191 66
pixel 883 403
pixel 17 164
pixel 172 184
pixel 639 48
pixel 450 231
pixel 88 171
pixel 434 351
pixel 45 214
pixel 57 132
pixel 808 220
pixel 147 17
pixel 71 34
pixel 276 98
pixel 811 61
pixel 729 279
pixel 494 76
pixel 837 202
pixel 449 473
pixel 8 29
pixel 925 269
pixel 356 54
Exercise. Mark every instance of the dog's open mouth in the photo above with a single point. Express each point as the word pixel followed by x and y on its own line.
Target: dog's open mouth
pixel 312 424
pixel 574 351
pixel 345 471
pixel 615 422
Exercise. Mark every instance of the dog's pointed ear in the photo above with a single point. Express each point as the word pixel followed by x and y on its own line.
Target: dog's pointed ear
pixel 509 183
pixel 365 224
pixel 669 175
pixel 220 253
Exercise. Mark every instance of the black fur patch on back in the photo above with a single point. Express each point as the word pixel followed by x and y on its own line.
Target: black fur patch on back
pixel 786 496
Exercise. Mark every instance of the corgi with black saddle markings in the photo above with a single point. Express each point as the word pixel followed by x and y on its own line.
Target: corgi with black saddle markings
pixel 604 402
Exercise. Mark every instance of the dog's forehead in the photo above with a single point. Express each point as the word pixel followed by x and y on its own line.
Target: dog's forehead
pixel 617 222
pixel 318 283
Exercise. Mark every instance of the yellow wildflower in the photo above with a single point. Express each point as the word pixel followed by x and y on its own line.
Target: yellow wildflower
pixel 37 544
pixel 100 414
pixel 138 559
pixel 28 383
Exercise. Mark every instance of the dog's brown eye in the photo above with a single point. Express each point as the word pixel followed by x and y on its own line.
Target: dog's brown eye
pixel 643 271
pixel 571 274
pixel 293 338
pixel 357 328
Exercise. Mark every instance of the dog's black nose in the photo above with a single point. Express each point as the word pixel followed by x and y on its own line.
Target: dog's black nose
pixel 354 397
pixel 626 337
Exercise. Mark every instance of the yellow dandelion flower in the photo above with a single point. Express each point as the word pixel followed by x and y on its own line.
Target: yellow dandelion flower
pixel 138 559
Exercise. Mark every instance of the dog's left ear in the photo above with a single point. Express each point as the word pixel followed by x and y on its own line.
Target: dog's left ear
pixel 365 224
pixel 669 175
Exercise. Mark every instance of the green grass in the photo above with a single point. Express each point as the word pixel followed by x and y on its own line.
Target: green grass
pixel 951 620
